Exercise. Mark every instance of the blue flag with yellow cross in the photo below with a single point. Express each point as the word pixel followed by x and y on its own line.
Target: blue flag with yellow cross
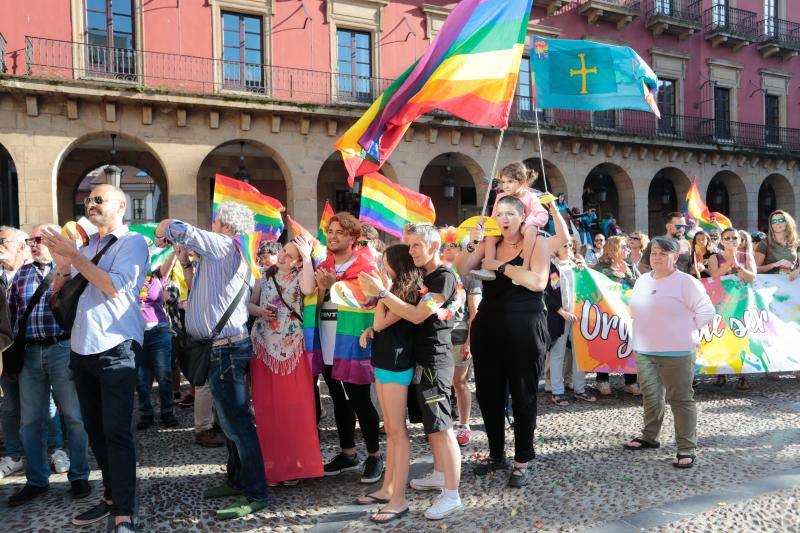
pixel 584 75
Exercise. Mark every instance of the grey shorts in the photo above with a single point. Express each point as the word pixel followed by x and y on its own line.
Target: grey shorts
pixel 457 361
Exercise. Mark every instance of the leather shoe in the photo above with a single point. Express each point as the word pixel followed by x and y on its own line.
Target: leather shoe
pixel 168 420
pixel 80 489
pixel 209 439
pixel 145 422
pixel 26 494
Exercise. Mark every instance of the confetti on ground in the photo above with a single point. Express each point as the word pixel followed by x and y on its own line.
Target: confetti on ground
pixel 570 478
pixel 513 512
pixel 553 485
pixel 541 439
pixel 697 433
pixel 627 478
pixel 589 484
pixel 722 504
pixel 539 525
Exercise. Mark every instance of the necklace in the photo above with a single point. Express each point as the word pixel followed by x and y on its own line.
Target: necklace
pixel 513 244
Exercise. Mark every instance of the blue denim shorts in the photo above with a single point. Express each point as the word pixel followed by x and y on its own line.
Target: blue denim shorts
pixel 387 376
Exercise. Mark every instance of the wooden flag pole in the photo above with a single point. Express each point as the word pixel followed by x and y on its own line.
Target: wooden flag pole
pixel 491 175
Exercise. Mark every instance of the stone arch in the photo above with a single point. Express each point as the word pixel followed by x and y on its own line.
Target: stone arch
pixel 726 193
pixel 9 184
pixel 91 152
pixel 268 172
pixel 775 192
pixel 465 176
pixel 666 194
pixel 610 188
pixel 332 185
pixel 556 183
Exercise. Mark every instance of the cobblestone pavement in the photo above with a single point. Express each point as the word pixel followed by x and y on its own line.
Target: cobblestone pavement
pixel 747 477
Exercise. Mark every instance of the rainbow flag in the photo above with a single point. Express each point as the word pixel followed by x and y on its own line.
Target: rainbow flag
pixel 266 209
pixel 389 206
pixel 318 250
pixel 322 232
pixel 470 70
pixel 249 245
pixel 696 208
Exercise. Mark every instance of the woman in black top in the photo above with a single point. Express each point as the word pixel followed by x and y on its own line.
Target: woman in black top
pixel 509 336
pixel 393 360
pixel 702 250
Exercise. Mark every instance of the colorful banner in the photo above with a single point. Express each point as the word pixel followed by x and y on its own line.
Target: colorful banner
pixel 756 328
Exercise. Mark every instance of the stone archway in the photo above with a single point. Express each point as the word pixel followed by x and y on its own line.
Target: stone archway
pixel 9 199
pixel 556 183
pixel 666 194
pixel 82 163
pixel 726 194
pixel 332 186
pixel 775 192
pixel 454 182
pixel 266 169
pixel 609 188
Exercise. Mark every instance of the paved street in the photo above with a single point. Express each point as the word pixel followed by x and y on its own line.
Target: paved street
pixel 747 477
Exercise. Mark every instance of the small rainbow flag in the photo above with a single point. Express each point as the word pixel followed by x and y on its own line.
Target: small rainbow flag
pixel 698 210
pixel 318 250
pixel 266 209
pixel 470 70
pixel 249 245
pixel 322 232
pixel 389 206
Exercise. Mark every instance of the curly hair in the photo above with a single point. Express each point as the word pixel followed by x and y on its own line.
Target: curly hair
pixel 237 216
pixel 612 249
pixel 348 222
pixel 519 172
pixel 404 285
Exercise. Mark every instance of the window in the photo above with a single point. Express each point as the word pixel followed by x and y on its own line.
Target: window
pixel 242 52
pixel 138 208
pixel 354 61
pixel 772 118
pixel 720 13
pixel 664 6
pixel 722 113
pixel 604 120
pixel 525 96
pixel 667 105
pixel 110 39
pixel 770 14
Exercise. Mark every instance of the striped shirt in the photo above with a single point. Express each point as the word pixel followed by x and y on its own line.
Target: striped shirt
pixel 218 276
pixel 41 323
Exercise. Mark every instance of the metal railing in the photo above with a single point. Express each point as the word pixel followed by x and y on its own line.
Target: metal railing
pixel 49 58
pixel 720 18
pixel 3 67
pixel 681 10
pixel 782 32
pixel 633 5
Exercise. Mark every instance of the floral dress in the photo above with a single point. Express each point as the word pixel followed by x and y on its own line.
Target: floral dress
pixel 279 343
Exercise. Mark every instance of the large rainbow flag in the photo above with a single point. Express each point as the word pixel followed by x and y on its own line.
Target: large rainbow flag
pixel 698 210
pixel 389 206
pixel 470 70
pixel 322 232
pixel 266 208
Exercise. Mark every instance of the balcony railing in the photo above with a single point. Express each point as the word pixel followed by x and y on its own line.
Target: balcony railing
pixel 2 54
pixel 784 33
pixel 680 10
pixel 49 58
pixel 738 23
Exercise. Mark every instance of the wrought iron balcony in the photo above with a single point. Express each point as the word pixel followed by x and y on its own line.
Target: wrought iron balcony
pixel 619 12
pixel 730 26
pixel 2 54
pixel 675 17
pixel 551 5
pixel 778 37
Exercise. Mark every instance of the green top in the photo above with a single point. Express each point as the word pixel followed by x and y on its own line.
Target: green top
pixel 775 253
pixel 666 354
pixel 630 277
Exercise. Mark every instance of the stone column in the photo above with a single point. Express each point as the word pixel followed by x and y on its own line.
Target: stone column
pixel 181 164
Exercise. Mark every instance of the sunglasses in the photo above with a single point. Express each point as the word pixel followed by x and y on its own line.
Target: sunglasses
pixel 777 220
pixel 634 238
pixel 450 245
pixel 33 240
pixel 97 200
pixel 682 226
pixel 362 243
pixel 730 238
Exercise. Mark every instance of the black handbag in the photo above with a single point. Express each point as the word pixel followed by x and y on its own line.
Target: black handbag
pixel 64 303
pixel 14 356
pixel 194 355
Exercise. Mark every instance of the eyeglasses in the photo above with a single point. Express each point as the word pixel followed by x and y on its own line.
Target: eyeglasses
pixel 450 245
pixel 33 240
pixel 635 238
pixel 4 241
pixel 777 220
pixel 97 200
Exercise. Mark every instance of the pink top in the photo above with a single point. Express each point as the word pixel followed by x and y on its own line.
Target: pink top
pixel 667 313
pixel 535 214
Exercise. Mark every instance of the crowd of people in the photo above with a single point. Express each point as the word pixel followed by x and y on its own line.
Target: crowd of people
pixel 435 308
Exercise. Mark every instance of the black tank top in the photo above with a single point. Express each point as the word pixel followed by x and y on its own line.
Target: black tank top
pixel 502 296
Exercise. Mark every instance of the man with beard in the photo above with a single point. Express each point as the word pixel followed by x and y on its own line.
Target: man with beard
pixel 676 229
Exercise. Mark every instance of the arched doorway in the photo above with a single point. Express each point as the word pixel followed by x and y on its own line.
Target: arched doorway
pixel 332 186
pixel 451 180
pixel 84 166
pixel 667 193
pixel 609 189
pixel 556 183
pixel 726 194
pixel 775 193
pixel 9 199
pixel 248 160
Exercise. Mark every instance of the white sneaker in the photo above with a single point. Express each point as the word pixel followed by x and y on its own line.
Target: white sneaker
pixel 443 507
pixel 60 461
pixel 9 466
pixel 433 481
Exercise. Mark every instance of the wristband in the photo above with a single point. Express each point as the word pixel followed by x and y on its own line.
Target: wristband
pixel 67 275
pixel 470 248
pixel 502 268
pixel 383 294
pixel 187 265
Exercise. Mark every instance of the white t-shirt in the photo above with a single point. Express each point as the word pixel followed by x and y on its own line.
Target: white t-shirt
pixel 328 315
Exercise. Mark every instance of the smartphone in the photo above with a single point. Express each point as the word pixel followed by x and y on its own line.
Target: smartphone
pixel 271 307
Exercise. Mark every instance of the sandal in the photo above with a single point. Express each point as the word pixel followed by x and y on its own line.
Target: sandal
pixel 519 477
pixel 393 515
pixel 490 465
pixel 560 400
pixel 643 445
pixel 743 384
pixel 684 456
pixel 633 389
pixel 720 380
pixel 604 387
pixel 586 396
pixel 371 500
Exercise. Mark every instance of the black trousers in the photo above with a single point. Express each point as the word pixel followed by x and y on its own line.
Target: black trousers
pixel 630 379
pixel 352 401
pixel 508 351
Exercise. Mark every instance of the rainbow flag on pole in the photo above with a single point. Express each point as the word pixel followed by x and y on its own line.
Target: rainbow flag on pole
pixel 389 206
pixel 470 70
pixel 322 232
pixel 698 210
pixel 318 250
pixel 266 209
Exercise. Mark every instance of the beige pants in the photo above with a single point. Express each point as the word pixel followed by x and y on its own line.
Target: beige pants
pixel 668 378
pixel 203 404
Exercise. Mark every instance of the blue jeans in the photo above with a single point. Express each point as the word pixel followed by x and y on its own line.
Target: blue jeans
pixel 105 383
pixel 156 354
pixel 46 367
pixel 227 377
pixel 10 420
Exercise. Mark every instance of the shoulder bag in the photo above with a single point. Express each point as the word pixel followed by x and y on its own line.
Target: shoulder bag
pixel 294 313
pixel 14 357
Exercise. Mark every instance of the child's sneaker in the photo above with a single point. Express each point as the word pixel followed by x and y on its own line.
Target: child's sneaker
pixel 483 274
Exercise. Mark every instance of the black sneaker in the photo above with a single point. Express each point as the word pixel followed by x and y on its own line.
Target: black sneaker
pixel 168 420
pixel 373 469
pixel 26 494
pixel 95 514
pixel 80 489
pixel 342 463
pixel 145 422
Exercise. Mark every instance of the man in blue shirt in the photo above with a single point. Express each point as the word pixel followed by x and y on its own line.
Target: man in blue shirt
pixel 106 336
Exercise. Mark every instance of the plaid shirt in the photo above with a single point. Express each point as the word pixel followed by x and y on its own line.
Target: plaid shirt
pixel 41 323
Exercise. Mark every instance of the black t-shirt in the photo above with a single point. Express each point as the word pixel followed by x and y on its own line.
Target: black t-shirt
pixel 432 342
pixel 392 348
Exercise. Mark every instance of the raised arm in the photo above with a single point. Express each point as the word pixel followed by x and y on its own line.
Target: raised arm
pixel 204 243
pixel 562 231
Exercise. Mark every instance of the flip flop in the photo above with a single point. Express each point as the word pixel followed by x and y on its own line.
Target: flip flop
pixel 644 445
pixel 374 500
pixel 393 515
pixel 684 456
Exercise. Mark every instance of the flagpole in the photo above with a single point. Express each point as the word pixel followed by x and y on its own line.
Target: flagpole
pixel 541 155
pixel 491 176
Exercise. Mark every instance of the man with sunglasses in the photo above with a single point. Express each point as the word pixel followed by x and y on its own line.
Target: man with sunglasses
pixel 106 337
pixel 676 229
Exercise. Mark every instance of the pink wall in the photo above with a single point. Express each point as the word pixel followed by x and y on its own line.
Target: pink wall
pixel 177 27
pixel 45 18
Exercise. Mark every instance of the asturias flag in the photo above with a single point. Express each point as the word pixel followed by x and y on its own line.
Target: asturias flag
pixel 584 75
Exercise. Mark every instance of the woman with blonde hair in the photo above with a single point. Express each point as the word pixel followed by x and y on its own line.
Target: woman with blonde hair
pixel 778 253
pixel 637 241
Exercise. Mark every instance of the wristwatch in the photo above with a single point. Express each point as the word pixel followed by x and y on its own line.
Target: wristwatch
pixel 383 294
pixel 502 268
